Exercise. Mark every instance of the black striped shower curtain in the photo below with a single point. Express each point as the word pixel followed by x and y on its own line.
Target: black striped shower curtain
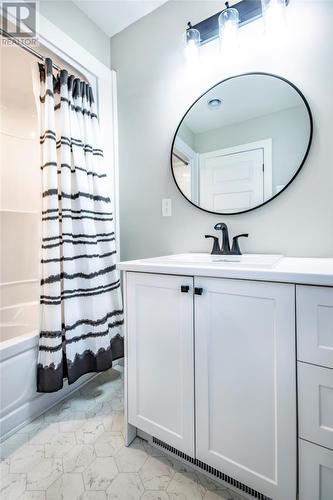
pixel 81 307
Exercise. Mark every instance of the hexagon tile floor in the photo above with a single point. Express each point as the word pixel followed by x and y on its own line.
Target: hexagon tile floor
pixel 76 451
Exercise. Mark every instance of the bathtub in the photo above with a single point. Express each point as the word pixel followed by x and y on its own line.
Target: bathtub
pixel 19 401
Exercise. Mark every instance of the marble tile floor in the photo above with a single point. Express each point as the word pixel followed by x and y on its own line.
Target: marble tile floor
pixel 75 451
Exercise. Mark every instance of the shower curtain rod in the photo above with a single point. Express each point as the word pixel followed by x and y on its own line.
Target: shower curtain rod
pixel 26 47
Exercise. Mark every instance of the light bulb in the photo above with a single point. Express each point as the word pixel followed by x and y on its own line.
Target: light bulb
pixel 273 12
pixel 192 44
pixel 228 28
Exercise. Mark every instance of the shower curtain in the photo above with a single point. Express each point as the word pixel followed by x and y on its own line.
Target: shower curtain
pixel 81 307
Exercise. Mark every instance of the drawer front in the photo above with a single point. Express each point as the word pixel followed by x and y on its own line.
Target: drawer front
pixel 315 403
pixel 315 472
pixel 315 325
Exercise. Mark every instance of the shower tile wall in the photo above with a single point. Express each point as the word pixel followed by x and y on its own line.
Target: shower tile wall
pixel 19 192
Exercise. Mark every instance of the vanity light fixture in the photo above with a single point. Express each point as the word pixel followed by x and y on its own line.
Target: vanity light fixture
pixel 214 103
pixel 228 27
pixel 248 10
pixel 192 43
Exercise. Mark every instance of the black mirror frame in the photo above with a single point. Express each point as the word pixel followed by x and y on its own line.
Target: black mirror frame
pixel 295 174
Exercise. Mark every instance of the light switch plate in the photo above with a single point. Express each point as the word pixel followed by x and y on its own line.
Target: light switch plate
pixel 166 207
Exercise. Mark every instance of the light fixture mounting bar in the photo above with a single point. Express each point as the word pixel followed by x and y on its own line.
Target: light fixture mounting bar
pixel 249 10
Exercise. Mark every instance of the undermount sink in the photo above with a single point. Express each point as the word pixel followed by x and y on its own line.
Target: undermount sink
pixel 245 260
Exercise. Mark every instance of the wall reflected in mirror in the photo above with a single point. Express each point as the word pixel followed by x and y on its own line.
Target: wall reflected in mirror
pixel 241 143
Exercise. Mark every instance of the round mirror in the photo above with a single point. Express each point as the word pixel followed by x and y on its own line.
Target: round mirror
pixel 241 143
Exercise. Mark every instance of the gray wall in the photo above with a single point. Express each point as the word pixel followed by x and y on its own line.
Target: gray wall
pixel 289 130
pixel 70 19
pixel 154 90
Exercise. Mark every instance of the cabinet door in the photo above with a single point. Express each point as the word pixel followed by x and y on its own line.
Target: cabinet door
pixel 315 325
pixel 245 382
pixel 315 472
pixel 160 357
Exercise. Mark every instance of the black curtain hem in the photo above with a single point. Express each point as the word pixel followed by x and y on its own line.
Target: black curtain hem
pixel 50 379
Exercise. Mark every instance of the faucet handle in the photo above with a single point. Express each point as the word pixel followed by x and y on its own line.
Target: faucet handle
pixel 235 250
pixel 216 246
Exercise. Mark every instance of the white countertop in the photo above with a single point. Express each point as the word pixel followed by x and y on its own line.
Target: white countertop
pixel 310 271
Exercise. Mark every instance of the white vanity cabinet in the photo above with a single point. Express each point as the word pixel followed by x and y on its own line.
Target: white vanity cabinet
pixel 237 356
pixel 245 382
pixel 211 369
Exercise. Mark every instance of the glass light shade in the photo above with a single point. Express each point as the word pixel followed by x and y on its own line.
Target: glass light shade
pixel 192 44
pixel 273 12
pixel 228 28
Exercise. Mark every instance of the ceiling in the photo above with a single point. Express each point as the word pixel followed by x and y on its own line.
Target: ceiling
pixel 243 99
pixel 112 16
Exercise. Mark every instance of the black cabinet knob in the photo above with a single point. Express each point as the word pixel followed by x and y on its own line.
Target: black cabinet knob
pixel 198 291
pixel 184 288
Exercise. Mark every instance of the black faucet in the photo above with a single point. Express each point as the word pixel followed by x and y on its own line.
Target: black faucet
pixel 225 250
pixel 221 226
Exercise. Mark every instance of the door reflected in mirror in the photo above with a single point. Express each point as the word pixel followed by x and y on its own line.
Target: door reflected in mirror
pixel 241 143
